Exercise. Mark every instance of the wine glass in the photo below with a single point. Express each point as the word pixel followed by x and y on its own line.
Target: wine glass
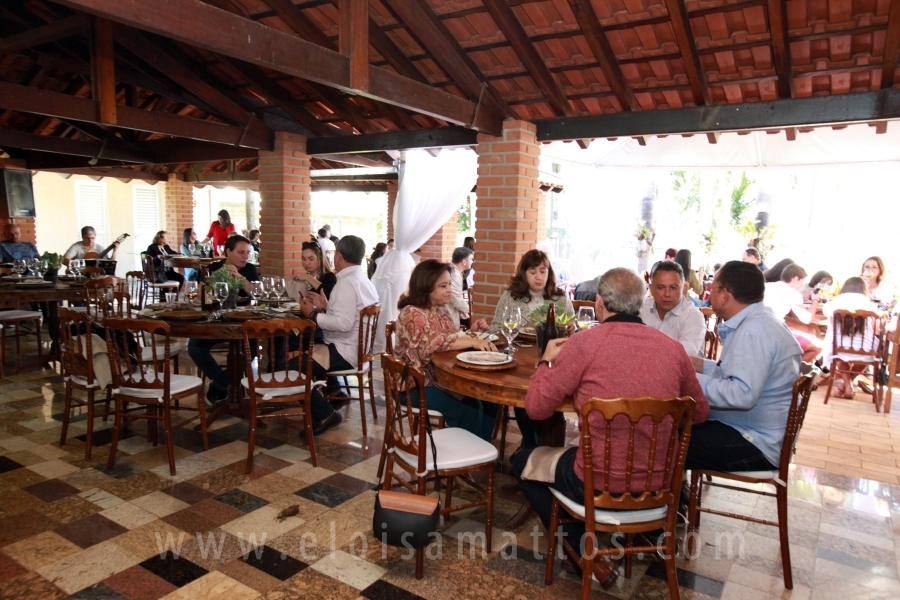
pixel 190 289
pixel 19 267
pixel 256 291
pixel 509 326
pixel 192 249
pixel 220 289
pixel 585 317
pixel 266 287
pixel 76 264
pixel 41 266
pixel 279 287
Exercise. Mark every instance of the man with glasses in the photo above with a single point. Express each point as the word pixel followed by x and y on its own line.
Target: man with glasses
pixel 13 248
pixel 80 249
pixel 669 311
pixel 749 389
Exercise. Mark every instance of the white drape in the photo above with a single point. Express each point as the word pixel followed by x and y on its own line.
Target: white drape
pixel 431 188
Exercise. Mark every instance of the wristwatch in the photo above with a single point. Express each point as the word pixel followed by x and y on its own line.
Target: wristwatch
pixel 543 361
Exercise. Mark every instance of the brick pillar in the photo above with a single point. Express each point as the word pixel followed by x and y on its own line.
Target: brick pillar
pixel 179 207
pixel 441 245
pixel 391 203
pixel 284 188
pixel 26 226
pixel 541 206
pixel 509 196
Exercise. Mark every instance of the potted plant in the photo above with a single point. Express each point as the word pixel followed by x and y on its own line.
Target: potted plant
pixel 235 285
pixel 54 262
pixel 539 317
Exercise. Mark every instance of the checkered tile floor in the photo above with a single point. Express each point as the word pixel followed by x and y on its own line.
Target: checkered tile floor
pixel 70 528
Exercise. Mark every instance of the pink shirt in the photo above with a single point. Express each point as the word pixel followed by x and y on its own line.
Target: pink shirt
pixel 618 360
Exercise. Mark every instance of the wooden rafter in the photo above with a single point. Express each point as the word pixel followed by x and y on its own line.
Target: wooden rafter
pixel 46 143
pixel 891 47
pixel 781 47
pixel 446 137
pixel 294 18
pixel 512 29
pixel 354 40
pixel 684 37
pixel 45 34
pixel 103 70
pixel 603 53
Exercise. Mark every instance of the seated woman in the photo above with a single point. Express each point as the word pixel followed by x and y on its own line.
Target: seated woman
pixel 821 280
pixel 692 282
pixel 880 290
pixel 158 249
pixel 853 296
pixel 424 327
pixel 189 238
pixel 373 261
pixel 316 275
pixel 530 288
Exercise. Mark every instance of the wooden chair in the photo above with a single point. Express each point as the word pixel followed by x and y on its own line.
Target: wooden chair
pixel 576 304
pixel 15 318
pixel 284 391
pixel 148 384
pixel 155 288
pixel 76 355
pixel 711 345
pixel 891 359
pixel 134 284
pixel 777 479
pixel 98 296
pixel 858 337
pixel 470 299
pixel 94 272
pixel 648 501
pixel 459 452
pixel 368 327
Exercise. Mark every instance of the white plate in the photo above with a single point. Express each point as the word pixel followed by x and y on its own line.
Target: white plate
pixel 483 358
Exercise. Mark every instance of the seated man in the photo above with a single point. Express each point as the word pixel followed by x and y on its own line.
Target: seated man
pixel 752 256
pixel 749 389
pixel 459 303
pixel 587 290
pixel 339 320
pixel 608 361
pixel 327 245
pixel 13 248
pixel 669 311
pixel 784 299
pixel 237 253
pixel 86 245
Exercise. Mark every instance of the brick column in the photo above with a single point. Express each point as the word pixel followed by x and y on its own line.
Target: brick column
pixel 284 188
pixel 391 202
pixel 26 226
pixel 441 245
pixel 509 196
pixel 179 207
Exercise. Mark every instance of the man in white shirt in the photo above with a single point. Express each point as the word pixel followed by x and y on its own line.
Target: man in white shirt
pixel 339 320
pixel 459 304
pixel 669 311
pixel 785 300
pixel 326 244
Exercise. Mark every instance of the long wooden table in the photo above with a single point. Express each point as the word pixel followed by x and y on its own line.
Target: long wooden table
pixel 50 295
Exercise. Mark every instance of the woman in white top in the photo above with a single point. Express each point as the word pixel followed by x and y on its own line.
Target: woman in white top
pixel 880 290
pixel 853 296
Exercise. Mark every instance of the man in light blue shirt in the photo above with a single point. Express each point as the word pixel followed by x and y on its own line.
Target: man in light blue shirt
pixel 13 248
pixel 749 389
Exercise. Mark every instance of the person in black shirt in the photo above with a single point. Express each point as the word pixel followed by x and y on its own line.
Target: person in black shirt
pixel 237 254
pixel 159 249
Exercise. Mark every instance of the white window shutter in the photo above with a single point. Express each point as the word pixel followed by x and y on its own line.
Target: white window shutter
pixel 146 218
pixel 90 208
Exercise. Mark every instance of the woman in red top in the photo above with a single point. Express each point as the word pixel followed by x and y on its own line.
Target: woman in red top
pixel 219 230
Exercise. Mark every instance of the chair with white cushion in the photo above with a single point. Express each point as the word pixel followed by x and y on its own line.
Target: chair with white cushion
pixel 286 389
pixel 368 326
pixel 76 349
pixel 149 384
pixel 14 318
pixel 778 479
pixel 648 498
pixel 458 452
pixel 155 289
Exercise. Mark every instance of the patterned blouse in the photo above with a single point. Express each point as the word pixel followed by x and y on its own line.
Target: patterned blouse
pixel 420 333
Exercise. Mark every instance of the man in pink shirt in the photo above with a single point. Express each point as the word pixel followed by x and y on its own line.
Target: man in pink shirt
pixel 620 358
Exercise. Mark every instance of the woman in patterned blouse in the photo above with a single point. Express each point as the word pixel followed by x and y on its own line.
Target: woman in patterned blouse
pixel 424 327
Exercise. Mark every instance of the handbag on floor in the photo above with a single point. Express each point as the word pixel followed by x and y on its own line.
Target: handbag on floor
pixel 403 519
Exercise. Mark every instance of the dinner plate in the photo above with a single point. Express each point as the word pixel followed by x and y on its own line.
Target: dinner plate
pixel 483 358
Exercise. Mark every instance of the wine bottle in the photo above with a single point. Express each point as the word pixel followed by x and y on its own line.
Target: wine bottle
pixel 549 331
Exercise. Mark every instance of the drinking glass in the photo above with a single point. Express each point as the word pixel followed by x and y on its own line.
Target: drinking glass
pixel 220 289
pixel 220 250
pixel 585 316
pixel 19 267
pixel 266 287
pixel 34 265
pixel 42 266
pixel 256 291
pixel 279 287
pixel 171 297
pixel 509 326
pixel 190 288
pixel 77 265
pixel 192 249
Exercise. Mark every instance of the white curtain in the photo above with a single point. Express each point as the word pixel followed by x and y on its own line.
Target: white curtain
pixel 431 188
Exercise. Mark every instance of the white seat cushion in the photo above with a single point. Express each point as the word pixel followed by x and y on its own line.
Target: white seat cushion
pixel 456 448
pixel 274 392
pixel 82 381
pixel 363 369
pixel 613 517
pixel 147 352
pixel 757 474
pixel 431 413
pixel 167 284
pixel 178 384
pixel 19 315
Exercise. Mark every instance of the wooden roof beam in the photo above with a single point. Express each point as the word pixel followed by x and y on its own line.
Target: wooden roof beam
pixel 233 36
pixel 891 47
pixel 512 29
pixel 684 37
pixel 103 70
pixel 446 137
pixel 46 34
pixel 603 53
pixel 354 40
pixel 46 143
pixel 294 18
pixel 781 53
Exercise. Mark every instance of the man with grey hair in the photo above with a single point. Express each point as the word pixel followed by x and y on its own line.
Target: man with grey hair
pixel 339 320
pixel 13 248
pixel 80 249
pixel 607 361
pixel 669 311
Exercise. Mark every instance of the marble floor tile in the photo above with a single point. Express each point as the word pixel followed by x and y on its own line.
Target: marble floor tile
pixel 349 569
pixel 160 503
pixel 101 498
pixel 128 515
pixel 91 530
pixel 214 586
pixel 136 583
pixel 31 586
pixel 215 511
pixel 188 468
pixel 273 562
pixel 24 525
pixel 82 569
pixel 188 492
pixel 177 571
pixel 41 549
pixel 52 490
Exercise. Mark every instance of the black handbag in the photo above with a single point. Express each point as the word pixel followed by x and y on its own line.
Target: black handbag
pixel 403 519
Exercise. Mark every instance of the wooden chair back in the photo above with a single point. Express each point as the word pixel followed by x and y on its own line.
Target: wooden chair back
pixel 669 421
pixel 118 305
pixel 407 432
pixel 576 304
pixel 390 329
pixel 134 369
pixel 274 336
pixel 149 269
pixel 94 272
pixel 368 327
pixel 134 284
pixel 891 358
pixel 858 333
pixel 803 388
pixel 75 347
pixel 711 345
pixel 98 293
pixel 470 299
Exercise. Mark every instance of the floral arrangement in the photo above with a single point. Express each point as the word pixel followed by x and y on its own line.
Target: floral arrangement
pixel 539 315
pixel 54 260
pixel 223 276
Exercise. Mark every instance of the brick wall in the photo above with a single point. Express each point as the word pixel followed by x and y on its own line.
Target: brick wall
pixel 441 245
pixel 284 188
pixel 179 199
pixel 391 202
pixel 509 198
pixel 27 227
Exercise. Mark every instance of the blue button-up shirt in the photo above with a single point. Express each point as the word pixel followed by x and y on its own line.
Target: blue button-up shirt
pixel 21 251
pixel 750 387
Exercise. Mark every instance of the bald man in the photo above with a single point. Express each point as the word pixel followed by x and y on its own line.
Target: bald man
pixel 13 248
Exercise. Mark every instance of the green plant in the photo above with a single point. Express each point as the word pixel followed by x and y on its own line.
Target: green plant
pixel 223 276
pixel 739 204
pixel 54 260
pixel 758 237
pixel 645 233
pixel 539 315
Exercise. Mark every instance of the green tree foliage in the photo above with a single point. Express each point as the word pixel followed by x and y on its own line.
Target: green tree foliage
pixel 687 191
pixel 739 201
pixel 464 215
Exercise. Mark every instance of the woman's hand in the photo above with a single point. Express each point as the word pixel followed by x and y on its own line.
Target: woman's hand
pixel 480 325
pixel 483 345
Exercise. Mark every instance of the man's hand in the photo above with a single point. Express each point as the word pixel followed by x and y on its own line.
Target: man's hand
pixel 553 349
pixel 318 300
pixel 307 307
